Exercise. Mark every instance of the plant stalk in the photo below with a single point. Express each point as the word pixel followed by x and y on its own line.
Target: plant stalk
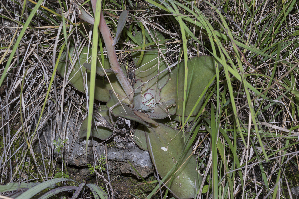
pixel 122 79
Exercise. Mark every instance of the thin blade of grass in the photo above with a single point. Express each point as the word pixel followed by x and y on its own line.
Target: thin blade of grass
pixel 245 86
pixel 214 133
pixel 95 40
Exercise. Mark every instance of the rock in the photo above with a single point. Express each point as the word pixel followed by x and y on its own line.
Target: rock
pixel 295 191
pixel 129 158
pixel 122 154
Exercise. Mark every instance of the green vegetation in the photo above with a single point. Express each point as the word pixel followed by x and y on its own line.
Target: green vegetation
pixel 210 88
pixel 100 166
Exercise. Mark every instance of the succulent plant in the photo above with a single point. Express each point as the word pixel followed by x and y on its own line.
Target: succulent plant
pixel 33 189
pixel 158 94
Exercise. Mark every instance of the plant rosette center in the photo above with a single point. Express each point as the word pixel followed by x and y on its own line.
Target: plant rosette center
pixel 149 100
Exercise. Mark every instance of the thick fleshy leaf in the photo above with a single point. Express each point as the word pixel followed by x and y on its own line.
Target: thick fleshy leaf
pixel 166 146
pixel 163 109
pixel 100 132
pixel 200 71
pixel 145 99
pixel 39 188
pixel 16 186
pixel 85 16
pixel 138 40
pixel 120 26
pixel 150 81
pixel 78 191
pixel 137 102
pixel 76 76
pixel 122 110
pixel 99 71
pixel 148 99
pixel 140 137
pixel 152 63
pixel 146 118
pixel 97 191
pixel 57 191
pixel 103 111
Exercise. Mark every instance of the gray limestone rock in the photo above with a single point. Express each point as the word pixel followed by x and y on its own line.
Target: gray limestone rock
pixel 123 155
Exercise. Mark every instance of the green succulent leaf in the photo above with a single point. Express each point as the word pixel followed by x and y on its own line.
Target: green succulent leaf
pixel 166 146
pixel 38 188
pixel 99 132
pixel 78 191
pixel 76 75
pixel 140 137
pixel 122 110
pixel 100 71
pixel 150 81
pixel 146 118
pixel 97 191
pixel 201 71
pixel 16 186
pixel 55 192
pixel 120 26
pixel 152 63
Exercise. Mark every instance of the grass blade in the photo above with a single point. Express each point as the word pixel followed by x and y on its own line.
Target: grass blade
pixel 95 40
